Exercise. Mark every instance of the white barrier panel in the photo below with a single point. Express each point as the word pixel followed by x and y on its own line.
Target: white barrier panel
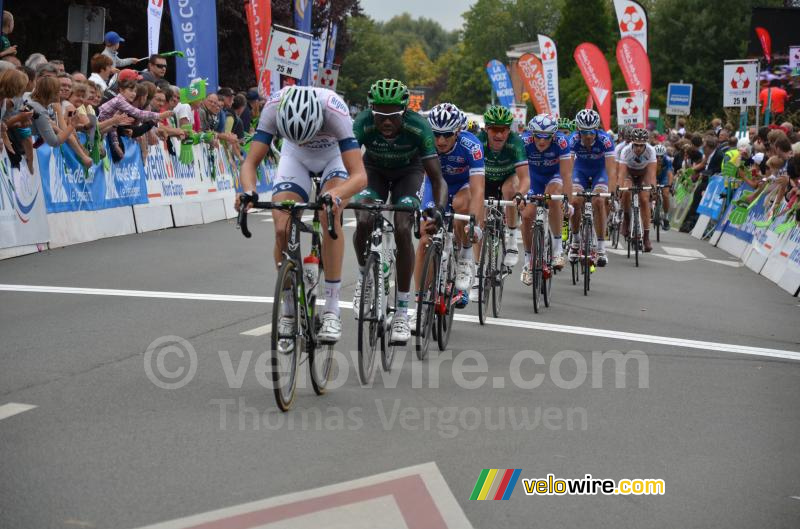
pixel 700 226
pixel 790 252
pixel 16 251
pixel 187 214
pixel 152 218
pixel 23 221
pixel 213 210
pixel 75 227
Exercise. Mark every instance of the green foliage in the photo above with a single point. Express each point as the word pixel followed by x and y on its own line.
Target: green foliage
pixel 373 56
pixel 584 21
pixel 427 33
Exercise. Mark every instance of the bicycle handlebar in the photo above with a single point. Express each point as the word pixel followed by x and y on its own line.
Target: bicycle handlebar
pixel 286 205
pixel 586 194
pixel 636 188
pixel 499 203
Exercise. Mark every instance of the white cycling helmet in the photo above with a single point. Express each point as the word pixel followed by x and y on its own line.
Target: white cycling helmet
pixel 299 114
pixel 639 136
pixel 660 150
pixel 445 117
pixel 543 124
pixel 587 119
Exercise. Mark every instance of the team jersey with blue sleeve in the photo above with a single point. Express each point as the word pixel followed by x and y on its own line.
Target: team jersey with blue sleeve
pixel 546 163
pixel 594 157
pixel 464 160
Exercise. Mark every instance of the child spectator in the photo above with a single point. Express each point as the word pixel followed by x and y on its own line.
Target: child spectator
pixel 6 49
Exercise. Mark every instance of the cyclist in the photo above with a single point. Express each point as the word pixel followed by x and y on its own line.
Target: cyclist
pixel 399 146
pixel 550 166
pixel 594 167
pixel 473 127
pixel 637 165
pixel 622 142
pixel 506 169
pixel 566 126
pixel 664 177
pixel 463 166
pixel 318 138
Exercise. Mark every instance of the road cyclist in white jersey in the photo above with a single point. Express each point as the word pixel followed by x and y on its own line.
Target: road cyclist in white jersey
pixel 637 166
pixel 318 139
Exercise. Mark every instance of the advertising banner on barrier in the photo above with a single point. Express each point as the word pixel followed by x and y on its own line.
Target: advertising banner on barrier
pixel 711 203
pixel 69 187
pixel 756 213
pixel 22 211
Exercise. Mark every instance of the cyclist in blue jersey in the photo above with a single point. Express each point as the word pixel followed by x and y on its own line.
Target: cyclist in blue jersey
pixel 462 161
pixel 594 167
pixel 664 177
pixel 550 167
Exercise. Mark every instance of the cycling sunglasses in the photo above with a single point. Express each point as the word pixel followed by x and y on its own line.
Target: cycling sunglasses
pixel 444 134
pixel 587 132
pixel 542 136
pixel 497 129
pixel 387 115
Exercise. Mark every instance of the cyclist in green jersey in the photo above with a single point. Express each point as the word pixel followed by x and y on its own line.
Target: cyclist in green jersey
pixel 566 126
pixel 506 169
pixel 399 150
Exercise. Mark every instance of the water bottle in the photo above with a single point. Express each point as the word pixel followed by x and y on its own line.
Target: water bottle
pixel 386 268
pixel 311 276
pixel 565 230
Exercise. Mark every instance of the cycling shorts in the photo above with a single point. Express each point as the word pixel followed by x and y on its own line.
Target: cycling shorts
pixel 584 179
pixel 296 168
pixel 402 183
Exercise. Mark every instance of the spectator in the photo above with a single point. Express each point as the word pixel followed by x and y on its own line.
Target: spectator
pixel 170 127
pixel 15 120
pixel 78 77
pixel 59 64
pixel 681 126
pixel 46 70
pixel 156 69
pixel 102 67
pixel 112 42
pixel 122 104
pixel 225 95
pixel 35 60
pixel 211 115
pixel 777 97
pixel 252 110
pixel 233 122
pixel 184 114
pixel 66 86
pixel 6 49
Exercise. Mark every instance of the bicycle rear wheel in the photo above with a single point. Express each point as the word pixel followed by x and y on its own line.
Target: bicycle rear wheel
pixel 286 347
pixel 485 275
pixel 368 319
pixel 499 271
pixel 657 217
pixel 444 322
pixel 637 234
pixel 426 303
pixel 537 264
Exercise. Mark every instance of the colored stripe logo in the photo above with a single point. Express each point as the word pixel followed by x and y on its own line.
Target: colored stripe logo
pixel 495 484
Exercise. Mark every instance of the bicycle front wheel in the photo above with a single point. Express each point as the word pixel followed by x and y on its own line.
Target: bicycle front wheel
pixel 537 265
pixel 426 302
pixel 444 321
pixel 387 349
pixel 547 277
pixel 368 319
pixel 587 256
pixel 657 217
pixel 286 339
pixel 499 270
pixel 637 235
pixel 485 273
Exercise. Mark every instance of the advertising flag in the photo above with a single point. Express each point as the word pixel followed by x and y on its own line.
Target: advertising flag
pixel 594 67
pixel 547 49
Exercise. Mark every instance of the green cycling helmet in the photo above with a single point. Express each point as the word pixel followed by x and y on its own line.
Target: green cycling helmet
pixel 388 92
pixel 566 123
pixel 497 115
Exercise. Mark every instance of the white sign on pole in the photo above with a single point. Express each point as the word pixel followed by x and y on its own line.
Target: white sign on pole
pixel 630 109
pixel 740 85
pixel 520 113
pixel 679 99
pixel 328 77
pixel 794 57
pixel 287 53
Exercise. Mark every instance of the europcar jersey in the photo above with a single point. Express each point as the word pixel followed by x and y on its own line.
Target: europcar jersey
pixel 337 127
pixel 502 164
pixel 545 163
pixel 414 142
pixel 637 163
pixel 464 160
pixel 594 157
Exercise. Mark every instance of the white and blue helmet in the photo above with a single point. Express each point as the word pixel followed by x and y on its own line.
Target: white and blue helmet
pixel 587 119
pixel 543 124
pixel 446 117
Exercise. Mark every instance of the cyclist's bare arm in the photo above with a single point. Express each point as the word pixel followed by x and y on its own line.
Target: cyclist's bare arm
pixel 434 171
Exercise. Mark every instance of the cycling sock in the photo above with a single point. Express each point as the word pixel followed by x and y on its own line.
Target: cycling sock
pixel 402 303
pixel 527 257
pixel 466 253
pixel 287 307
pixel 512 235
pixel 332 289
pixel 557 244
pixel 601 244
pixel 361 270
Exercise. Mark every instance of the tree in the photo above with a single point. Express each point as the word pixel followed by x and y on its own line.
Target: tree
pixel 372 57
pixel 689 39
pixel 583 21
pixel 406 31
pixel 418 67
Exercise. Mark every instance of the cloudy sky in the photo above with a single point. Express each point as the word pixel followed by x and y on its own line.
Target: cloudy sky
pixel 445 12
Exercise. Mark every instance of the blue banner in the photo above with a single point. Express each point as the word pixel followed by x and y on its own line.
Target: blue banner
pixel 194 28
pixel 69 187
pixel 501 82
pixel 711 204
pixel 302 22
pixel 744 232
pixel 330 53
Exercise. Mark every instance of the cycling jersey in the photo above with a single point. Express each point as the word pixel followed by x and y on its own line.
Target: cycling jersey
pixel 464 160
pixel 662 178
pixel 637 163
pixel 590 162
pixel 618 149
pixel 321 155
pixel 544 165
pixel 502 164
pixel 414 142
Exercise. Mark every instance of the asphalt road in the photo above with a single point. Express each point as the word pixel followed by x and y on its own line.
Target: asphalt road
pixel 715 417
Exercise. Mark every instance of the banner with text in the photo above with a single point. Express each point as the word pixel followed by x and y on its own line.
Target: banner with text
pixel 594 68
pixel 194 28
pixel 532 73
pixel 501 82
pixel 547 48
pixel 23 219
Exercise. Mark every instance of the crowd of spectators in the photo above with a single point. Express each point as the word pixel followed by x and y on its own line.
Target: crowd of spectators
pixel 42 103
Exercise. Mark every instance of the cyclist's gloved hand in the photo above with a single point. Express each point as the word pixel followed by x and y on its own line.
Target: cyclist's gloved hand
pixel 570 210
pixel 519 198
pixel 477 233
pixel 245 200
pixel 434 214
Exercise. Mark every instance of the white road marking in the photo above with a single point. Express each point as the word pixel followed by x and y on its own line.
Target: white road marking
pixel 732 264
pixel 795 497
pixel 683 252
pixel 259 331
pixel 549 327
pixel 678 258
pixel 13 408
